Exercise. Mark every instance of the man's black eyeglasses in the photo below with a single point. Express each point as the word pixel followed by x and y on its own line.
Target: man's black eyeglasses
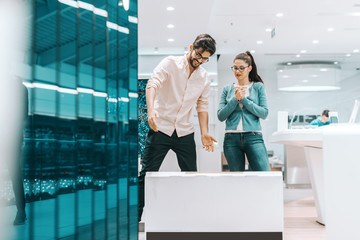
pixel 200 57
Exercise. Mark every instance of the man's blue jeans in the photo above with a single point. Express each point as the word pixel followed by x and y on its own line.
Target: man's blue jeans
pixel 236 145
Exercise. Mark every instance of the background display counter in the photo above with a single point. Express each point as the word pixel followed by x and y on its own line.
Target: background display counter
pixel 333 156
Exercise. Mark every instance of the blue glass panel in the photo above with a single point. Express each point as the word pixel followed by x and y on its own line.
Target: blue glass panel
pixel 80 148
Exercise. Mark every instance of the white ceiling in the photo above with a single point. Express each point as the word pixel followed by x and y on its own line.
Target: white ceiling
pixel 237 25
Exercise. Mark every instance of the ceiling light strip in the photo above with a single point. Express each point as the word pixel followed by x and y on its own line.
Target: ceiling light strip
pixel 85 90
pixel 133 95
pixel 86 6
pixel 100 12
pixel 133 19
pixel 117 27
pixel 70 3
pixel 100 94
pixel 65 90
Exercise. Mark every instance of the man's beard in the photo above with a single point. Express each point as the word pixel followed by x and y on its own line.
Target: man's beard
pixel 191 60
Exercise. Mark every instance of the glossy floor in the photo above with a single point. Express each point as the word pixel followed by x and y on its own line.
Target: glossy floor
pixel 299 220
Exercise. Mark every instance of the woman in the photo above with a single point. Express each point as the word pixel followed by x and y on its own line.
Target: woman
pixel 241 105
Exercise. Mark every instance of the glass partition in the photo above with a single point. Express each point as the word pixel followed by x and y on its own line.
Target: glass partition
pixel 80 140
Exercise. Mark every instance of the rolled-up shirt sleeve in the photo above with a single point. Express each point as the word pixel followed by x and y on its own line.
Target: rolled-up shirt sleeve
pixel 202 102
pixel 159 75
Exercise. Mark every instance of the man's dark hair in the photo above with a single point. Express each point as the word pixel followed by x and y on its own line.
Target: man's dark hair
pixel 325 113
pixel 206 42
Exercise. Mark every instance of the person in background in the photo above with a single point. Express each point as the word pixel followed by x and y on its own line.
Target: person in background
pixel 241 105
pixel 16 169
pixel 323 120
pixel 177 84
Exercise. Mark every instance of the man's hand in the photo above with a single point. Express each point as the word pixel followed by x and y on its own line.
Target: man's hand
pixel 152 115
pixel 208 142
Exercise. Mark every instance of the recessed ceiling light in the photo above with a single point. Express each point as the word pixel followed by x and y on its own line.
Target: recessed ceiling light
pixel 268 29
pixel 170 8
pixel 323 69
pixel 298 55
pixel 171 39
pixel 303 51
pixel 305 81
pixel 331 29
pixel 259 42
pixel 279 14
pixel 252 51
pixel 286 76
pixel 315 41
pixel 281 70
pixel 314 75
pixel 170 26
pixel 336 62
pixel 348 55
pixel 356 50
pixel 289 63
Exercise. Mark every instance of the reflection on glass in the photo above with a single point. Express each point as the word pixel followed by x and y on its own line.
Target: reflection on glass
pixel 80 145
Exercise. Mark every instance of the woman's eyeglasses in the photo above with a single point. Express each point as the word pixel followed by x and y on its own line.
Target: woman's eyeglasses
pixel 240 69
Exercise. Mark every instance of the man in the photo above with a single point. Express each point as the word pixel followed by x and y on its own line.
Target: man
pixel 324 119
pixel 177 84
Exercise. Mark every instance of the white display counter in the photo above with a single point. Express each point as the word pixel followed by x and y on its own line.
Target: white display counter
pixel 296 172
pixel 312 142
pixel 192 205
pixel 333 155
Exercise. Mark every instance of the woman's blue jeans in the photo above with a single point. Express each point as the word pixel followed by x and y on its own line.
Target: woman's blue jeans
pixel 236 145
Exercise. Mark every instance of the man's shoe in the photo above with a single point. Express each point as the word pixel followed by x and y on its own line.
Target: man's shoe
pixel 20 218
